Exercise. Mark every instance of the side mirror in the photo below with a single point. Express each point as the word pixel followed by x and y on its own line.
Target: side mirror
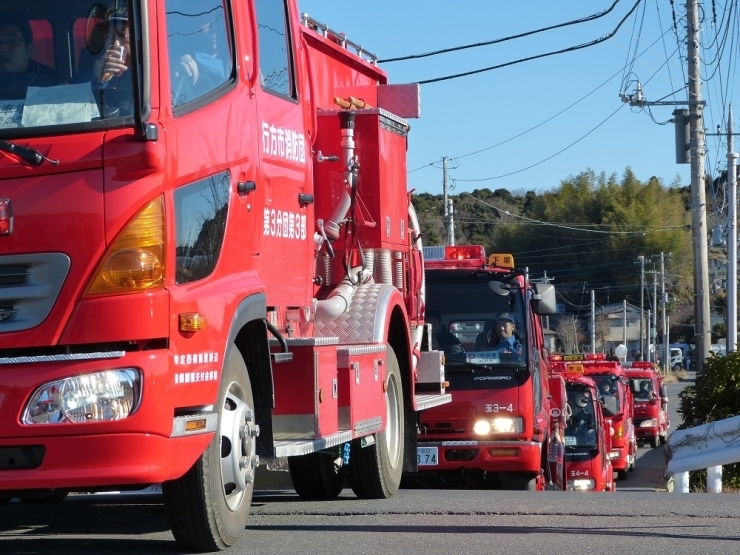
pixel 543 300
pixel 663 392
pixel 609 405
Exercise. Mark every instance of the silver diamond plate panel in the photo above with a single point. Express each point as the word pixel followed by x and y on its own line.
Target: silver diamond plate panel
pixel 363 350
pixel 62 358
pixel 369 425
pixel 295 448
pixel 364 322
pixel 429 401
pixel 306 341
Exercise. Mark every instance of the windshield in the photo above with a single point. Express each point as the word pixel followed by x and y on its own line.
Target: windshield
pixel 580 427
pixel 642 389
pixel 64 63
pixel 475 325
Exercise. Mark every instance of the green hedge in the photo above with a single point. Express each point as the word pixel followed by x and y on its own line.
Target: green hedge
pixel 714 396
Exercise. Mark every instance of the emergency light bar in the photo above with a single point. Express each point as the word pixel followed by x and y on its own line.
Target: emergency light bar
pixel 578 357
pixel 467 252
pixel 639 364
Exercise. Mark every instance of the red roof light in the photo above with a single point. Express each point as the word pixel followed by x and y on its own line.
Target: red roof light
pixel 467 252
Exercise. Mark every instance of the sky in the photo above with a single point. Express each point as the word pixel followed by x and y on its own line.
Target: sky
pixel 531 125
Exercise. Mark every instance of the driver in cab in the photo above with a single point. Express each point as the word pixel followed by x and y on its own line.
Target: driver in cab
pixel 502 336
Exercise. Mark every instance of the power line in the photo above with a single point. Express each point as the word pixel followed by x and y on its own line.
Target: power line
pixel 562 51
pixel 504 39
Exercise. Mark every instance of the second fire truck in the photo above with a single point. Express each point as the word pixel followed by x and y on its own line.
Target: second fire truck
pixel 495 432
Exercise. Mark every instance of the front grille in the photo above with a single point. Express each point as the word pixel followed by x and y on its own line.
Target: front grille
pixel 439 429
pixel 457 455
pixel 29 286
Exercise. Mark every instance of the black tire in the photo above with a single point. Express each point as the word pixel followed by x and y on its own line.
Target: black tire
pixel 208 506
pixel 376 470
pixel 655 441
pixel 663 438
pixel 315 476
pixel 50 498
pixel 520 483
pixel 621 474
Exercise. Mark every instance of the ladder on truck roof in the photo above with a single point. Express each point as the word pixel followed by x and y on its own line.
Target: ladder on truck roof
pixel 338 38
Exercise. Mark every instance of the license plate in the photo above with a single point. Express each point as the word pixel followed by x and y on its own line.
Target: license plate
pixel 427 456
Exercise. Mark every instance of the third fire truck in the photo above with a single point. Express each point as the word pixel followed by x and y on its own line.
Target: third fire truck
pixel 581 415
pixel 609 376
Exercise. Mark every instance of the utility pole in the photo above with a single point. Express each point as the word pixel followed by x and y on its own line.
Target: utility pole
pixel 698 196
pixel 449 225
pixel 624 322
pixel 641 262
pixel 696 150
pixel 663 334
pixel 732 242
pixel 593 323
pixel 653 317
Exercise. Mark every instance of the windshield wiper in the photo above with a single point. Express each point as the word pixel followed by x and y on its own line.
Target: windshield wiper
pixel 30 155
pixel 461 365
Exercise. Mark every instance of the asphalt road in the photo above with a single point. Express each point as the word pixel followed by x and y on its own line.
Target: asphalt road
pixel 639 518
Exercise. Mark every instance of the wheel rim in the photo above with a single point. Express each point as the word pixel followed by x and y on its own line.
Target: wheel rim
pixel 392 431
pixel 238 433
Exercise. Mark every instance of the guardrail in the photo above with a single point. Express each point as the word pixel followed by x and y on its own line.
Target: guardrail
pixel 708 446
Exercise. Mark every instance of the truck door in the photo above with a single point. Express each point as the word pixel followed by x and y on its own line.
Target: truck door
pixel 205 113
pixel 283 183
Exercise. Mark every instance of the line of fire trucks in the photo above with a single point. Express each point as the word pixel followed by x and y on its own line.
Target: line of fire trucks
pixel 526 419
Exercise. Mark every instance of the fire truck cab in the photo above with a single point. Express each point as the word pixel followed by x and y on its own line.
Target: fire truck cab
pixel 209 260
pixel 583 418
pixel 612 382
pixel 486 319
pixel 651 403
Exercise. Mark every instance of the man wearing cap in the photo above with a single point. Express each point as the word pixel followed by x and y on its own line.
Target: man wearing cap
pixel 17 70
pixel 501 336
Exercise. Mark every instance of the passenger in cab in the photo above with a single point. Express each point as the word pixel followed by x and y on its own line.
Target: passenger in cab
pixel 646 390
pixel 203 67
pixel 111 68
pixel 442 339
pixel 501 337
pixel 17 70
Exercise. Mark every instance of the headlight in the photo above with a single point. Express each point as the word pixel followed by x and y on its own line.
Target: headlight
pixel 482 427
pixel 499 425
pixel 649 423
pixel 580 485
pixel 614 455
pixel 98 397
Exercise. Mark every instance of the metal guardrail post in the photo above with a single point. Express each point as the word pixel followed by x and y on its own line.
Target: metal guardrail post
pixel 714 479
pixel 682 483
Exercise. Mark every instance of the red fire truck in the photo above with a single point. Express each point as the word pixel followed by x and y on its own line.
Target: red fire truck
pixel 208 258
pixel 579 416
pixel 611 380
pixel 651 402
pixel 495 431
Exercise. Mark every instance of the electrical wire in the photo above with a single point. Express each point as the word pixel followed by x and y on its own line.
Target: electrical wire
pixel 546 54
pixel 504 39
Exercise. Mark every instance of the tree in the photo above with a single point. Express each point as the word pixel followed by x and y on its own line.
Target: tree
pixel 566 329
